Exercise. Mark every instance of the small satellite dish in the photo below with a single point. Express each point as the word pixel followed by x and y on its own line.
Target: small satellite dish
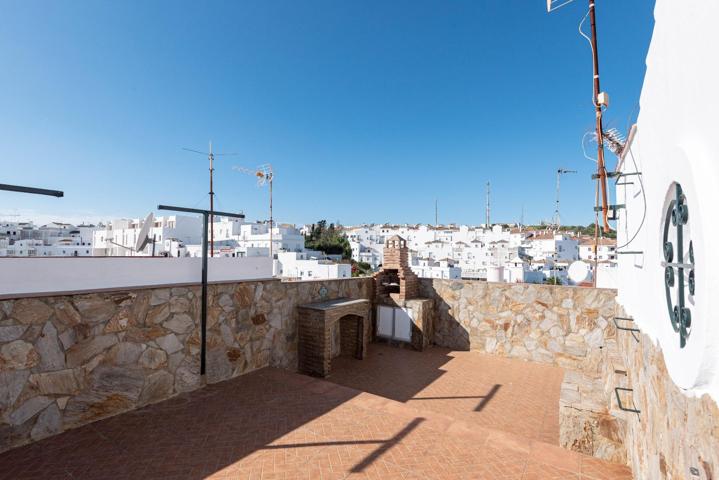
pixel 144 236
pixel 580 272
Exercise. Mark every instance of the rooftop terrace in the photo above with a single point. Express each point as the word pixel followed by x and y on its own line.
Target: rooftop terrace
pixel 434 414
pixel 516 382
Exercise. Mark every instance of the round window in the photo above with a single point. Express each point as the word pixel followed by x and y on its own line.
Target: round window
pixel 679 279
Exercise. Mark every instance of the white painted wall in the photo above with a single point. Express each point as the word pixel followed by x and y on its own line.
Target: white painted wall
pixel 19 276
pixel 676 141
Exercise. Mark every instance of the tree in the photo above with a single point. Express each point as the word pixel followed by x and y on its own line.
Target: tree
pixel 361 269
pixel 329 240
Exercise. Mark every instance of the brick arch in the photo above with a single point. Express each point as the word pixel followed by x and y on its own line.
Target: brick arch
pixel 316 323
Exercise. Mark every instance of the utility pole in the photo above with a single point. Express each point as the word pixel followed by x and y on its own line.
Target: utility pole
pixel 211 159
pixel 557 219
pixel 601 168
pixel 436 213
pixel 487 209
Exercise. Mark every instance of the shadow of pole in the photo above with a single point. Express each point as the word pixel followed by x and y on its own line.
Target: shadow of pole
pixel 487 398
pixel 382 449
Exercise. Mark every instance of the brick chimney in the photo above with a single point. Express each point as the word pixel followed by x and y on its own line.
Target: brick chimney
pixel 396 280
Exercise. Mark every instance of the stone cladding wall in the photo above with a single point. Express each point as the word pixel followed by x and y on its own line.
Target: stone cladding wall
pixel 675 436
pixel 69 360
pixel 564 326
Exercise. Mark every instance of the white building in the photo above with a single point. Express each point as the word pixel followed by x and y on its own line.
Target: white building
pixel 119 237
pixel 285 237
pixel 477 251
pixel 606 249
pixel 542 246
pixel 675 146
pixel 309 265
pixel 428 268
pixel 51 240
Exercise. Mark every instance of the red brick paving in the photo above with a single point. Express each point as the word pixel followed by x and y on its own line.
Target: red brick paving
pixel 505 394
pixel 272 424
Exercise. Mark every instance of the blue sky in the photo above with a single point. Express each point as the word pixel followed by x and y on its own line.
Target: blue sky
pixel 368 110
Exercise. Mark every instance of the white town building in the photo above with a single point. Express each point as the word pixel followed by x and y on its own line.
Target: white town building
pixel 428 268
pixel 309 265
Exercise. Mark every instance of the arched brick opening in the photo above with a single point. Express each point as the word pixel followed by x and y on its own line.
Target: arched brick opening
pixel 342 323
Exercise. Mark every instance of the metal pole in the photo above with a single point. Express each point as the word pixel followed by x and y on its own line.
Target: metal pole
pixel 271 179
pixel 203 312
pixel 487 207
pixel 203 315
pixel 32 190
pixel 601 169
pixel 212 205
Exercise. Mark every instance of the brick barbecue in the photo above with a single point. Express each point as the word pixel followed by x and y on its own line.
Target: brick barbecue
pixel 396 281
pixel 318 323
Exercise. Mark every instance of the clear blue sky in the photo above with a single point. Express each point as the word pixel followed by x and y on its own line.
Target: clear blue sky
pixel 368 110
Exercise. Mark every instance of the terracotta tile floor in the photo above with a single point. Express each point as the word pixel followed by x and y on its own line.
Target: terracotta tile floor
pixel 509 395
pixel 272 424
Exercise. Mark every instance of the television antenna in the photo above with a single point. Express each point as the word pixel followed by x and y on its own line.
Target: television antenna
pixel 265 176
pixel 487 207
pixel 211 157
pixel 553 5
pixel 557 219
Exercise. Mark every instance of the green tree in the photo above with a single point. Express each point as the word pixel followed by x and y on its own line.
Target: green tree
pixel 328 239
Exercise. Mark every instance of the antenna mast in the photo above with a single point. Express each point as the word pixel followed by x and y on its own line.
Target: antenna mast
pixel 436 213
pixel 487 210
pixel 211 159
pixel 557 219
pixel 264 175
pixel 601 168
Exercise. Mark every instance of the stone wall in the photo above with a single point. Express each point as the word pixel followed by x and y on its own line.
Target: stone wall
pixel 70 360
pixel 564 326
pixel 674 436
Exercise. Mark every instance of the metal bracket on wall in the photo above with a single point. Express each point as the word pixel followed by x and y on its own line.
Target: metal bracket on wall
pixel 630 252
pixel 626 329
pixel 613 209
pixel 619 400
pixel 616 175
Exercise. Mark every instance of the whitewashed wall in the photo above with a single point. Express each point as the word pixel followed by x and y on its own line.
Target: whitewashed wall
pixel 677 142
pixel 30 276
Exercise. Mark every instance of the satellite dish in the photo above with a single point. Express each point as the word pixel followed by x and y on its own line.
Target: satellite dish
pixel 580 272
pixel 144 236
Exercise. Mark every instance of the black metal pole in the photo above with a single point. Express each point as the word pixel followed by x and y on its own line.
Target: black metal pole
pixel 33 190
pixel 203 319
pixel 203 312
